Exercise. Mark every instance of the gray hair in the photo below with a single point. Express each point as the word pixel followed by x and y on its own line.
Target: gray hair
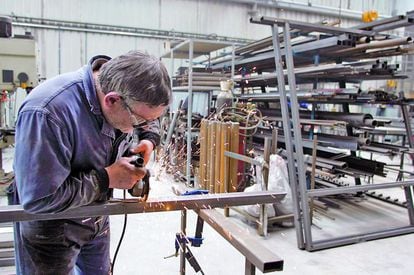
pixel 137 76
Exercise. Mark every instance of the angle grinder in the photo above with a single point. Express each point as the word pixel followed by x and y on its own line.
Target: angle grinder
pixel 142 187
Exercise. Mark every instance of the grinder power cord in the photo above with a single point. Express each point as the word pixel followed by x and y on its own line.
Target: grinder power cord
pixel 141 190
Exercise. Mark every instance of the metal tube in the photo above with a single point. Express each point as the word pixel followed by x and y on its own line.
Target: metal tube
pixel 217 157
pixel 286 129
pixel 298 138
pixel 323 244
pixel 249 268
pixel 408 190
pixel 182 246
pixel 354 119
pixel 202 169
pixel 189 110
pixel 357 188
pixel 244 158
pixel 374 45
pixel 15 213
pixel 258 255
pixel 267 20
pixel 233 56
pixel 306 8
pixel 171 127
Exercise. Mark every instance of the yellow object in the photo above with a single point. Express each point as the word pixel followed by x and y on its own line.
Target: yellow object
pixel 369 16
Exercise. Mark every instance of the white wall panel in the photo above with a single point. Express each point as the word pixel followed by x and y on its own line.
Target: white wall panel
pixel 224 18
pixel 70 51
pixel 21 7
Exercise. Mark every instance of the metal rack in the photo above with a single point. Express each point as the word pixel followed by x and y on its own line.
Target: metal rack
pixel 191 49
pixel 294 146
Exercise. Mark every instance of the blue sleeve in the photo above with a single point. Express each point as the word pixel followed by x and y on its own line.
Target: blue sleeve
pixel 44 178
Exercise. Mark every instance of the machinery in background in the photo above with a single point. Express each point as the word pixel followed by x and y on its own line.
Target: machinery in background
pixel 18 76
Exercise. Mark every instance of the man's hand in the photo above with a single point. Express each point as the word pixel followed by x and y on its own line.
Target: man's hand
pixel 145 148
pixel 123 175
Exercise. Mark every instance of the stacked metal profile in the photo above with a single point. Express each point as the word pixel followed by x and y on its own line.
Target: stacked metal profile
pixel 323 53
pixel 314 44
pixel 200 76
pixel 312 53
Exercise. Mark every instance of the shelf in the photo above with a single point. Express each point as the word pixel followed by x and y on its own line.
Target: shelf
pixel 196 88
pixel 200 47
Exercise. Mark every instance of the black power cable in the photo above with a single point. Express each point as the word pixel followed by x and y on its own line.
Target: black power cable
pixel 120 239
pixel 143 193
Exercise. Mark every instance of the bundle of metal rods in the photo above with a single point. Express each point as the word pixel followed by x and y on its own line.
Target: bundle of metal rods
pixel 318 44
pixel 210 79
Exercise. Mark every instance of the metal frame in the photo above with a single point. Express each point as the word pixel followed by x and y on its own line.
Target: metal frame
pixel 192 45
pixel 296 168
pixel 255 254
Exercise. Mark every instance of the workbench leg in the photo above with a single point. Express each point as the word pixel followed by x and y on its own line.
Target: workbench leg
pixel 249 268
pixel 262 226
pixel 182 246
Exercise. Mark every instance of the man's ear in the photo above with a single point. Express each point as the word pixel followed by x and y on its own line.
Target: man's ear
pixel 112 98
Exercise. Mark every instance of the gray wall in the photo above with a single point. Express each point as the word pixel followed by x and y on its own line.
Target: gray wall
pixel 63 50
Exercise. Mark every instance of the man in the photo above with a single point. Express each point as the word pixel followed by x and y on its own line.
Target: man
pixel 71 135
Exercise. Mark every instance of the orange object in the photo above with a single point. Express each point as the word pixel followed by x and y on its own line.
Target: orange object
pixel 369 16
pixel 391 83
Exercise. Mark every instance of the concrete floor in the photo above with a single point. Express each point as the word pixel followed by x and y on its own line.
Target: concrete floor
pixel 150 237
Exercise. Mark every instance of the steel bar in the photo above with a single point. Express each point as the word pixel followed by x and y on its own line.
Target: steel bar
pixel 202 139
pixel 297 135
pixel 218 165
pixel 15 213
pixel 373 45
pixel 358 238
pixel 172 127
pixel 343 142
pixel 354 164
pixel 189 112
pixel 267 42
pixel 289 146
pixel 324 44
pixel 379 22
pixel 359 188
pixel 408 190
pixel 256 45
pixel 183 246
pixel 263 216
pixel 266 20
pixel 245 159
pixel 249 268
pixel 386 199
pixel 394 25
pixel 234 164
pixel 393 148
pixel 303 94
pixel 311 122
pixel 258 255
pixel 354 119
pixel 313 175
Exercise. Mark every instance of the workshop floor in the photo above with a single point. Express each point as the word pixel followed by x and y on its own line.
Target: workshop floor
pixel 150 237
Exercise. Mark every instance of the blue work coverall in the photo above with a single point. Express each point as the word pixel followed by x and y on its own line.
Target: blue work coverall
pixel 63 143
